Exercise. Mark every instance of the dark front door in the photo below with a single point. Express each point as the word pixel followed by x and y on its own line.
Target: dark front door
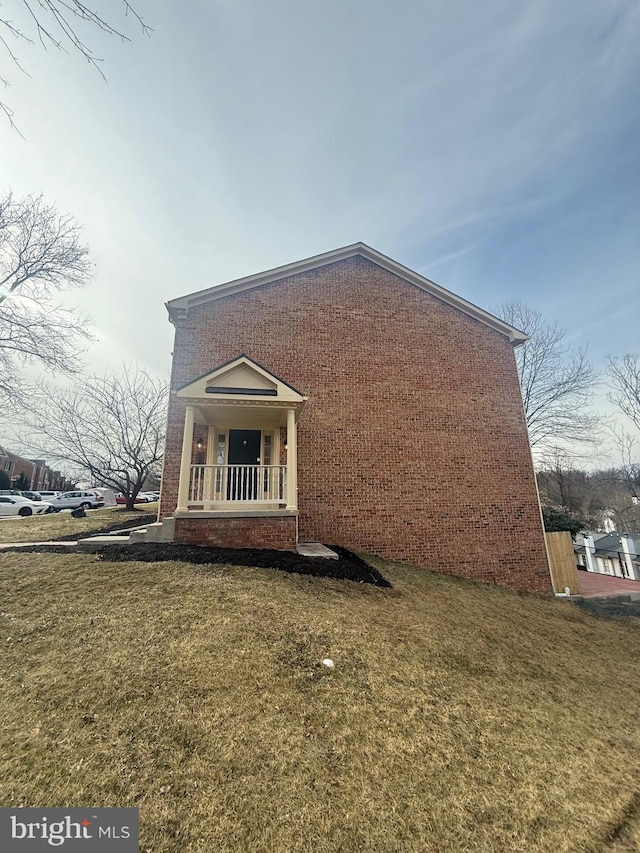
pixel 244 450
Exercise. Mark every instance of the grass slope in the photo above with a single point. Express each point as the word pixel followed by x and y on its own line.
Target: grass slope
pixel 62 525
pixel 458 717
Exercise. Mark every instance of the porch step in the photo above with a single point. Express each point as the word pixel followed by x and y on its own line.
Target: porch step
pixel 138 535
pixel 315 549
pixel 159 531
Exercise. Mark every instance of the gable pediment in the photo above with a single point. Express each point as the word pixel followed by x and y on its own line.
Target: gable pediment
pixel 240 379
pixel 180 307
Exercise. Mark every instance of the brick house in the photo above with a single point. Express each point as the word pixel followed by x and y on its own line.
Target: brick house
pixel 346 399
pixel 35 472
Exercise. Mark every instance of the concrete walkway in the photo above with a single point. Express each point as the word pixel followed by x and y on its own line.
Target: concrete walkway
pixel 118 537
pixel 593 585
pixel 7 546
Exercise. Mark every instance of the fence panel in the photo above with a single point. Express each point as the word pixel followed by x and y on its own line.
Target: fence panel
pixel 563 562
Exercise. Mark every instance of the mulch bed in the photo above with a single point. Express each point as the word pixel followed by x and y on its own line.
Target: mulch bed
pixel 348 567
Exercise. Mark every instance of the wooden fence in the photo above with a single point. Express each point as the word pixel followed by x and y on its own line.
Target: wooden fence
pixel 563 562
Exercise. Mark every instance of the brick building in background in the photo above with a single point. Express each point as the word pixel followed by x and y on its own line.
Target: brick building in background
pixel 347 400
pixel 36 472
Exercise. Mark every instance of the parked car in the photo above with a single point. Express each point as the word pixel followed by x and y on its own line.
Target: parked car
pixel 147 497
pixel 142 498
pixel 32 496
pixel 19 505
pixel 46 496
pixel 73 500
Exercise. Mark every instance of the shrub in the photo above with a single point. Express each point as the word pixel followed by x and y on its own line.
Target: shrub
pixel 557 519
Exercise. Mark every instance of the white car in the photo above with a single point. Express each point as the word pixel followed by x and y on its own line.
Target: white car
pixel 75 499
pixel 147 497
pixel 17 505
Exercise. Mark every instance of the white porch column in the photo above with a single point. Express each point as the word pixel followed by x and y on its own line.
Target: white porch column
pixel 292 460
pixel 626 543
pixel 589 552
pixel 212 445
pixel 185 462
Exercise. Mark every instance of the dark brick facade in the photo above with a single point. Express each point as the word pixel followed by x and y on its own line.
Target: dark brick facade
pixel 413 443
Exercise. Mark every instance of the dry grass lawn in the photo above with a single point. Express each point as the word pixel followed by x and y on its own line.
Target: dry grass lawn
pixel 42 528
pixel 458 717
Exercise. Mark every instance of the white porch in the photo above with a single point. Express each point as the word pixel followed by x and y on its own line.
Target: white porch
pixel 239 449
pixel 216 484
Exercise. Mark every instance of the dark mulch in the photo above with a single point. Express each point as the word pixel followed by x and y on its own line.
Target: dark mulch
pixel 143 518
pixel 348 567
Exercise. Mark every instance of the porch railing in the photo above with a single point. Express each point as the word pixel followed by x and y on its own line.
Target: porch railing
pixel 237 483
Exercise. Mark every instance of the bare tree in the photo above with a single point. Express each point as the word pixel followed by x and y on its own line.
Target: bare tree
pixel 625 380
pixel 41 255
pixel 111 428
pixel 557 382
pixel 562 484
pixel 596 498
pixel 58 23
pixel 624 375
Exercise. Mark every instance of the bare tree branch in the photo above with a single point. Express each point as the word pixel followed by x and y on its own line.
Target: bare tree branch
pixel 624 376
pixel 56 24
pixel 603 500
pixel 41 256
pixel 557 382
pixel 625 380
pixel 613 495
pixel 111 428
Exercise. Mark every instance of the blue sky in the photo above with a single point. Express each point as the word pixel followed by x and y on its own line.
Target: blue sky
pixel 491 146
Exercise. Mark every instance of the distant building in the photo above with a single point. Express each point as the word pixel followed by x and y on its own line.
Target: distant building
pixel 613 553
pixel 35 472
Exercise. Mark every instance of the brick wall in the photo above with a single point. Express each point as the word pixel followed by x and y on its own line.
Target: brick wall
pixel 413 444
pixel 278 533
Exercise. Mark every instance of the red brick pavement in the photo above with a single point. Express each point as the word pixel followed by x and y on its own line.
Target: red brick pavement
pixel 593 585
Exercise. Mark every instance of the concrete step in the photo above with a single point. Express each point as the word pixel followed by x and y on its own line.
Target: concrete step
pixel 315 549
pixel 138 535
pixel 159 531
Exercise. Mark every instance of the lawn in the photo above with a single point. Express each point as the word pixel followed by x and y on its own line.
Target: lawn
pixel 42 528
pixel 458 717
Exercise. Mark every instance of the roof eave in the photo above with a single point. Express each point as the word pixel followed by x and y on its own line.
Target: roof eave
pixel 178 308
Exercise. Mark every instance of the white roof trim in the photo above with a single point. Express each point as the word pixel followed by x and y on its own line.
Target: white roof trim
pixel 179 307
pixel 276 391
